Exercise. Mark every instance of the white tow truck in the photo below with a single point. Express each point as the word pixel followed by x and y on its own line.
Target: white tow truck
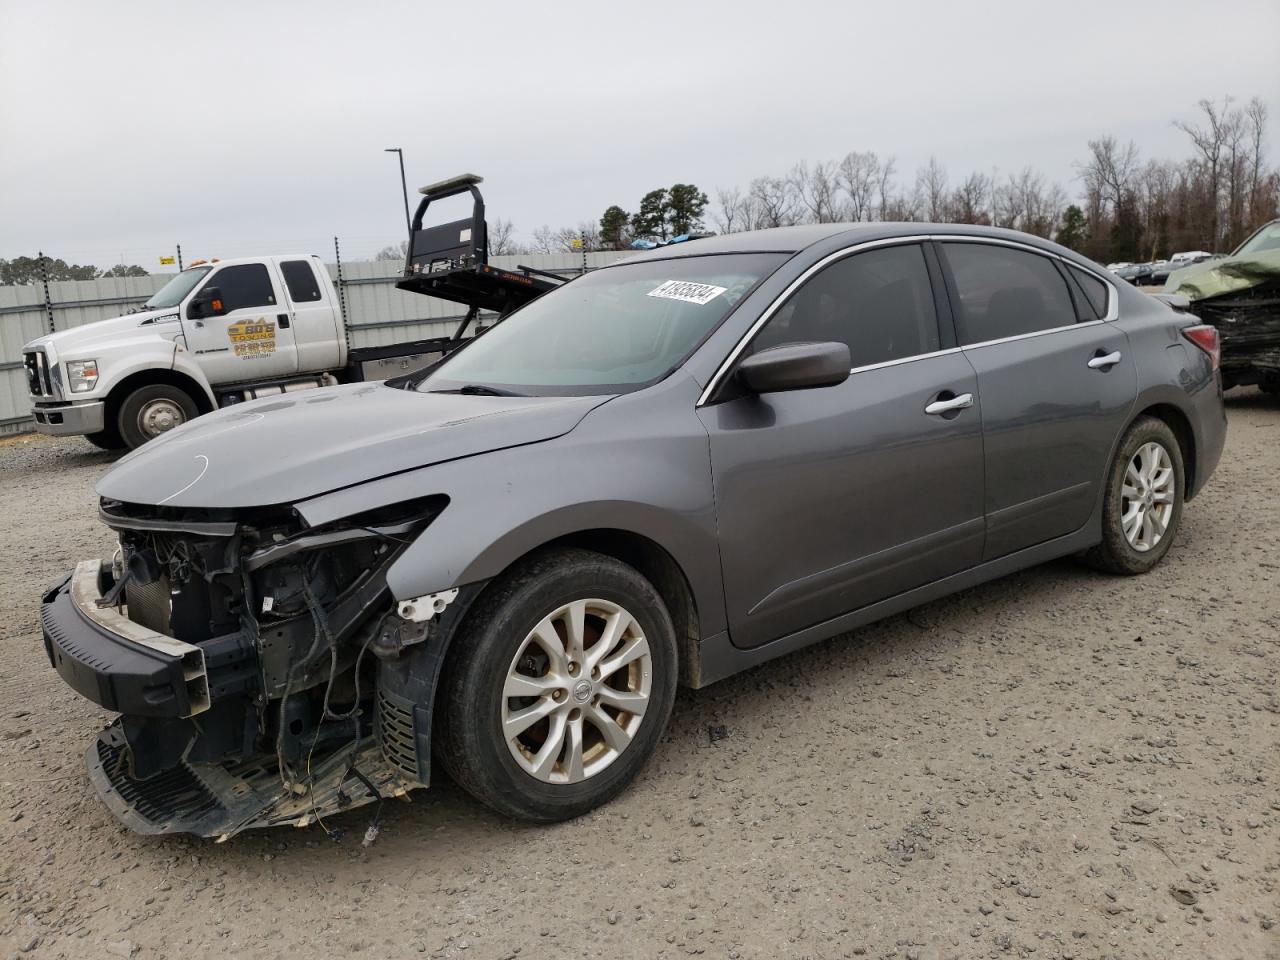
pixel 231 330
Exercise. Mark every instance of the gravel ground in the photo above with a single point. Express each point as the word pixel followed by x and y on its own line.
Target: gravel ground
pixel 1058 764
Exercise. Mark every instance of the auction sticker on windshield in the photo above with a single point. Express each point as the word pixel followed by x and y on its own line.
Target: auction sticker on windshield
pixel 699 293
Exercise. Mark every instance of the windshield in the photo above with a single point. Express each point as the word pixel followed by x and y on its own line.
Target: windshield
pixel 1267 238
pixel 611 331
pixel 171 294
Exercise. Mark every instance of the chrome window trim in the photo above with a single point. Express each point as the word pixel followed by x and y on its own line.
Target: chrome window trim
pixel 1033 333
pixel 1113 306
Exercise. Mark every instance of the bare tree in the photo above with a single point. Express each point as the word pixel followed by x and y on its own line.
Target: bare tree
pixel 545 240
pixel 502 241
pixel 815 188
pixel 397 251
pixel 1213 141
pixel 775 202
pixel 731 214
pixel 931 185
pixel 969 202
pixel 858 177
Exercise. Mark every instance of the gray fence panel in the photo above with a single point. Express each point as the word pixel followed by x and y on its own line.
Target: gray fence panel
pixel 377 313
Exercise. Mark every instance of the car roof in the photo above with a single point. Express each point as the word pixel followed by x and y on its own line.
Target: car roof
pixel 797 238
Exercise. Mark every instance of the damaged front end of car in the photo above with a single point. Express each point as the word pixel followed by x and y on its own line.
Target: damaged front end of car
pixel 1240 295
pixel 264 672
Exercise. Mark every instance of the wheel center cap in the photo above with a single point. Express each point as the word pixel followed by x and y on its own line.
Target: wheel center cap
pixel 582 691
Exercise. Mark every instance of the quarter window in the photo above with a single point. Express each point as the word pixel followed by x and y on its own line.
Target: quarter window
pixel 879 302
pixel 1005 292
pixel 1095 291
pixel 244 285
pixel 301 280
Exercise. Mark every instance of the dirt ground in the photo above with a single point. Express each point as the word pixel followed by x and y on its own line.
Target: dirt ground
pixel 1055 765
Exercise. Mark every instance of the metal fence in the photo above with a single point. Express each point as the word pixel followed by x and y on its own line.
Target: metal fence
pixel 377 313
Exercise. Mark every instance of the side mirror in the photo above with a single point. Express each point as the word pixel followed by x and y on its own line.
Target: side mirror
pixel 795 366
pixel 206 303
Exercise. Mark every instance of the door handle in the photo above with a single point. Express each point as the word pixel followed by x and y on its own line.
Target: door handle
pixel 283 320
pixel 952 403
pixel 1104 360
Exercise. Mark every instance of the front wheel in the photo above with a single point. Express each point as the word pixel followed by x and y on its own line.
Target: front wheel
pixel 558 687
pixel 152 410
pixel 1144 495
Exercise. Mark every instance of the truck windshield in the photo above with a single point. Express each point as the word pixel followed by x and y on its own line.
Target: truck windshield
pixel 612 331
pixel 171 294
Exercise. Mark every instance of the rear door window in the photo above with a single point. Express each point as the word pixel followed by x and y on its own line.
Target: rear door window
pixel 301 280
pixel 244 285
pixel 879 302
pixel 1006 292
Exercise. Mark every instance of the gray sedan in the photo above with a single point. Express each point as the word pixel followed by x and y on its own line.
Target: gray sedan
pixel 663 473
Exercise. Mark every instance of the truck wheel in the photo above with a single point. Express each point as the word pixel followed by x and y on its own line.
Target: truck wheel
pixel 1143 505
pixel 152 410
pixel 558 688
pixel 106 439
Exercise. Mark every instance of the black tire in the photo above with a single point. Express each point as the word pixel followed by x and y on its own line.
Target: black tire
pixel 106 439
pixel 132 408
pixel 1115 554
pixel 469 707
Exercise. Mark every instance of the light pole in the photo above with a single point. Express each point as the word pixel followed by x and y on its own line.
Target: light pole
pixel 404 187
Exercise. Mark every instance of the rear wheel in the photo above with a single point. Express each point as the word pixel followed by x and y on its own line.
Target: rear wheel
pixel 558 687
pixel 152 410
pixel 1144 497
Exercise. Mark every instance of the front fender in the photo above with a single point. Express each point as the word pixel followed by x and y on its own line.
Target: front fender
pixel 638 464
pixel 184 363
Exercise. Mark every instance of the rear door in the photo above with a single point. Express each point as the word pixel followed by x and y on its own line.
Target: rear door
pixel 1056 381
pixel 310 313
pixel 246 342
pixel 833 498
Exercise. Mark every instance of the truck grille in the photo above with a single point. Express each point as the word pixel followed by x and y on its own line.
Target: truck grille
pixel 36 366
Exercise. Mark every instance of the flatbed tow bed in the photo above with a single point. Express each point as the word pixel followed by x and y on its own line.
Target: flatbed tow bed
pixel 450 261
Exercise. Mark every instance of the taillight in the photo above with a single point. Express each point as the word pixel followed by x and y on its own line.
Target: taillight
pixel 1206 338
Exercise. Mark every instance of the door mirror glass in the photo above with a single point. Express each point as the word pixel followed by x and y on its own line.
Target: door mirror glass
pixel 207 303
pixel 795 366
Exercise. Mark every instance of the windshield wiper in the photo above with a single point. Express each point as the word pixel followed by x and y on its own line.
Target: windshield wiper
pixel 481 390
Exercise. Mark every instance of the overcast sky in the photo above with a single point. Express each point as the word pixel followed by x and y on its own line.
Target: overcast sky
pixel 243 128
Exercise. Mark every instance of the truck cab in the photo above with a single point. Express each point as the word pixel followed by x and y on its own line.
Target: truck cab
pixel 218 332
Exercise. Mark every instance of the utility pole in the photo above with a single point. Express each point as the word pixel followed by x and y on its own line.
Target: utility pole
pixel 404 188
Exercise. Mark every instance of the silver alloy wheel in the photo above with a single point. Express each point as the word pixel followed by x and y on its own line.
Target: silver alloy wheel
pixel 576 691
pixel 159 416
pixel 1147 497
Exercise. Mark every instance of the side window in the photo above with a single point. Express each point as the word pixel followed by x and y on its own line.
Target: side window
pixel 245 285
pixel 301 280
pixel 1095 291
pixel 879 302
pixel 1006 292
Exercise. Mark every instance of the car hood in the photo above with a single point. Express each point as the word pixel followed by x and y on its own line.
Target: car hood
pixel 286 448
pixel 1216 278
pixel 68 344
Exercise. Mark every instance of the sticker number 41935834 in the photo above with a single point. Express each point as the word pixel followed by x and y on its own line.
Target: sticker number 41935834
pixel 699 293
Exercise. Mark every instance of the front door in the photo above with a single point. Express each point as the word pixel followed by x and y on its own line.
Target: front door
pixel 1057 385
pixel 246 342
pixel 833 498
